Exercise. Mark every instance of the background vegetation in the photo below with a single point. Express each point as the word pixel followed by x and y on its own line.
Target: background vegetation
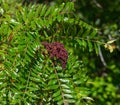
pixel 93 68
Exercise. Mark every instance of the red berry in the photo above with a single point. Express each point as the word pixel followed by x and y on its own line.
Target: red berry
pixel 57 50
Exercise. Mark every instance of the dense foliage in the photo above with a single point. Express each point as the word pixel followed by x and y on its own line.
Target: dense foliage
pixel 29 76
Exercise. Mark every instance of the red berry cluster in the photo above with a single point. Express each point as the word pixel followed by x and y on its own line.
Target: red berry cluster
pixel 57 50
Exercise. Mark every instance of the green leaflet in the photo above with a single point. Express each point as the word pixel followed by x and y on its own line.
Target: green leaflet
pixel 90 46
pixel 43 11
pixel 64 86
pixel 67 91
pixel 56 94
pixel 59 98
pixel 68 96
pixel 53 87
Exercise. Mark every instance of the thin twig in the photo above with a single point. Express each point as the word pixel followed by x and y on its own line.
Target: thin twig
pixel 101 57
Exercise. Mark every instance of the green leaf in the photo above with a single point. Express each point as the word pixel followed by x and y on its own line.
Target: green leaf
pixel 35 79
pixel 90 46
pixel 58 98
pixel 43 11
pixel 31 94
pixel 65 80
pixel 71 101
pixel 56 94
pixel 52 82
pixel 52 76
pixel 53 87
pixel 67 91
pixel 65 86
pixel 19 86
pixel 94 32
pixel 96 46
pixel 68 96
